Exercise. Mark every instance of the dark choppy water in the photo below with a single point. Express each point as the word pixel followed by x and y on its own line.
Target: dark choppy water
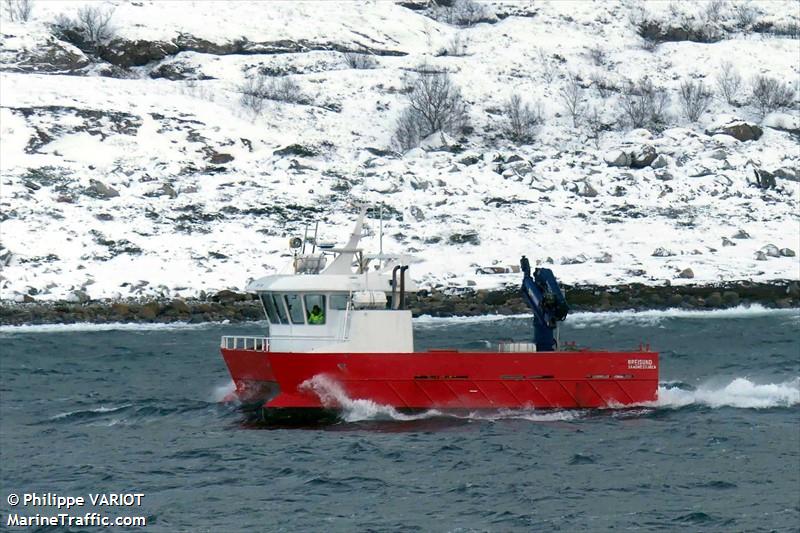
pixel 87 410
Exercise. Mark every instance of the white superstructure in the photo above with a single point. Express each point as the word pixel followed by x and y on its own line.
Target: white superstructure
pixel 353 305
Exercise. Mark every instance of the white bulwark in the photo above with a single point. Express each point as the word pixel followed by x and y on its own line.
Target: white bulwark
pixel 354 305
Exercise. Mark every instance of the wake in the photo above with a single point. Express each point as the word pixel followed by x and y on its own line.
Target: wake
pixel 740 393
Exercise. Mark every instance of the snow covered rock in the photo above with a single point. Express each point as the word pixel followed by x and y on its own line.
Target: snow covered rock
pixel 642 156
pixel 661 161
pixel 437 141
pixel 98 189
pixel 617 158
pixel 771 250
pixel 783 122
pixel 787 173
pixel 662 252
pixel 605 258
pixel 787 252
pixel 738 129
pixel 686 273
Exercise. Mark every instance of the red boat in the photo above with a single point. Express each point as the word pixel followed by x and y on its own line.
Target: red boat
pixel 342 331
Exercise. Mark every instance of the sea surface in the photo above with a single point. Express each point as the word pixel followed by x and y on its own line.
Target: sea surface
pixel 136 409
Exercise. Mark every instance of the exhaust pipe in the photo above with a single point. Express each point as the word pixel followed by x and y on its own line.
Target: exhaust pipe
pixel 394 286
pixel 403 287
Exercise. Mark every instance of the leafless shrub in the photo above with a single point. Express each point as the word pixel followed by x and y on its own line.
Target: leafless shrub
pixel 548 65
pixel 19 10
pixel 729 83
pixel 644 105
pixel 714 10
pixel 596 125
pixel 598 55
pixel 462 13
pixel 435 104
pixel 602 85
pixel 571 96
pixel 258 88
pixel 457 47
pixel 694 99
pixel 89 30
pixel 360 61
pixel 522 120
pixel 745 16
pixel 770 94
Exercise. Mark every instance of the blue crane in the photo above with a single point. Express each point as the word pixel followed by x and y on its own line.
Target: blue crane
pixel 543 296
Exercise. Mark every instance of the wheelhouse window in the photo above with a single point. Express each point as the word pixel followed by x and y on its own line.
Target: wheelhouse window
pixel 339 301
pixel 315 308
pixel 276 301
pixel 269 307
pixel 295 306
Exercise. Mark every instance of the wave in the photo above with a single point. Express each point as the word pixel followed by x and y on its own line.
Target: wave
pixel 584 318
pixel 741 393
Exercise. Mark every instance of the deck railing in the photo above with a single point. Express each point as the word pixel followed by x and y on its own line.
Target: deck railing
pixel 253 344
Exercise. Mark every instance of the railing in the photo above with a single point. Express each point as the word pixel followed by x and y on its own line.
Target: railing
pixel 253 344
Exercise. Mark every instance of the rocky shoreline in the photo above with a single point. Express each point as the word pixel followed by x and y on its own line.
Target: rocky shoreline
pixel 239 307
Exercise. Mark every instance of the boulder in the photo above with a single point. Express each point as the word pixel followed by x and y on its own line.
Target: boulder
pixel 731 298
pixel 437 141
pixel 662 252
pixel 661 161
pixel 787 252
pixel 617 158
pixel 471 237
pixel 605 258
pixel 228 296
pixel 787 173
pixel 741 234
pixel 179 306
pixel 125 53
pixel 587 191
pixel 727 242
pixel 686 273
pixel 642 156
pixel 77 297
pixel 738 129
pixel 98 189
pixel 761 256
pixel 771 250
pixel 220 159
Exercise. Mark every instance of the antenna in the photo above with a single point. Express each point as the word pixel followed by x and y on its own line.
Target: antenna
pixel 380 215
pixel 305 238
pixel 314 244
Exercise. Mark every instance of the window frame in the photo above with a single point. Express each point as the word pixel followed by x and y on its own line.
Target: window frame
pixel 282 311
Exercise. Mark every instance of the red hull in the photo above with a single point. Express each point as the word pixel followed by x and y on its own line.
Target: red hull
pixel 445 379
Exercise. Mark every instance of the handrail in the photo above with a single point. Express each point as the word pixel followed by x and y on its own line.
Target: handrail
pixel 252 344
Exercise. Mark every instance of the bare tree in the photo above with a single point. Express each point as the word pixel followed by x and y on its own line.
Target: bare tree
pixel 745 15
pixel 729 83
pixel 549 66
pixel 769 94
pixel 596 125
pixel 96 24
pixel 19 10
pixel 435 104
pixel 694 99
pixel 89 31
pixel 571 96
pixel 643 104
pixel 522 120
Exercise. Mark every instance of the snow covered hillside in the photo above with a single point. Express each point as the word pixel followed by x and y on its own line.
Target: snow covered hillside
pixel 131 167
